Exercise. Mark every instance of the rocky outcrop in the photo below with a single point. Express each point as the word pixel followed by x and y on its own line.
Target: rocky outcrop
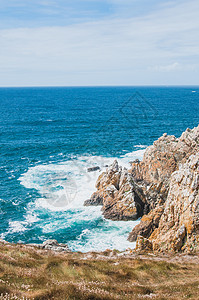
pixel 179 224
pixel 162 189
pixel 153 174
pixel 53 245
pixel 117 193
pixel 160 161
pixel 130 194
pixel 3 241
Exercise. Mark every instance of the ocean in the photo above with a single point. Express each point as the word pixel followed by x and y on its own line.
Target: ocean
pixel 50 136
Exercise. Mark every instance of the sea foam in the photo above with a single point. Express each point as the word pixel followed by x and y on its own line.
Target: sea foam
pixel 63 187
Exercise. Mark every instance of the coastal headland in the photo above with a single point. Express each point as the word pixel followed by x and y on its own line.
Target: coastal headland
pixel 162 190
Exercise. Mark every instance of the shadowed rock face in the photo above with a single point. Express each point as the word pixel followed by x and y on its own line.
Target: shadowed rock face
pixel 95 200
pixel 147 225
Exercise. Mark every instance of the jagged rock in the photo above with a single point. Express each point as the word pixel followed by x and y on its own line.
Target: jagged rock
pixel 54 246
pixel 92 169
pixel 143 244
pixel 147 224
pixel 160 160
pixel 121 199
pixel 95 200
pixel 179 224
pixel 148 189
pixel 153 175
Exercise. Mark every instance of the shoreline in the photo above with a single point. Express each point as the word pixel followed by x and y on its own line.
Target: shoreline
pixel 143 192
pixel 165 261
pixel 107 254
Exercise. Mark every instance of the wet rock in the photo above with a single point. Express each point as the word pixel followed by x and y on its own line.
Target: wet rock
pixel 95 200
pixel 93 169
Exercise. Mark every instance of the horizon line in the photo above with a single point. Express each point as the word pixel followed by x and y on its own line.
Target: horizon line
pixel 95 86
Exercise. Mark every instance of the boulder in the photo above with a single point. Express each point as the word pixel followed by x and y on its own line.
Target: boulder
pixel 53 245
pixel 93 169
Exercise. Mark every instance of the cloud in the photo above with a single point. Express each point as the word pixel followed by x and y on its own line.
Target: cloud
pixel 174 67
pixel 110 51
pixel 167 68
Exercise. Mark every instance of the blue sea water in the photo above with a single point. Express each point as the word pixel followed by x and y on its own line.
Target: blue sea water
pixel 50 136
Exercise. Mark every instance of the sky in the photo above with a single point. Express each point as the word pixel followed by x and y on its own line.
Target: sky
pixel 99 43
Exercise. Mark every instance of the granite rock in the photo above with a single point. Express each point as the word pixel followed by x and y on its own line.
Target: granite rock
pixel 179 224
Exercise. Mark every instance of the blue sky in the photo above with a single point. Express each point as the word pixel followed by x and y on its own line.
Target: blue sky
pixel 36 13
pixel 98 42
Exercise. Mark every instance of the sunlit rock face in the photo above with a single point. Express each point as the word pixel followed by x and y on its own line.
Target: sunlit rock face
pixel 154 175
pixel 160 161
pixel 179 224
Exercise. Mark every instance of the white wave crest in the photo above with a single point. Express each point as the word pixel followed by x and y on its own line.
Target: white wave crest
pixel 63 188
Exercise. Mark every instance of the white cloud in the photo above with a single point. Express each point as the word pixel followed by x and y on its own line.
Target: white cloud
pixel 111 51
pixel 167 68
pixel 174 67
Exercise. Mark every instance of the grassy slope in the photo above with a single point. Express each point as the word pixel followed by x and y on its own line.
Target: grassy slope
pixel 32 273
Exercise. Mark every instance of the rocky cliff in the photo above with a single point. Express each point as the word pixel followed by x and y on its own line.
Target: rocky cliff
pixel 154 175
pixel 150 187
pixel 179 224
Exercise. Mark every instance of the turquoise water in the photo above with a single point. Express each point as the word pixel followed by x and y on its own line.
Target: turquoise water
pixel 50 136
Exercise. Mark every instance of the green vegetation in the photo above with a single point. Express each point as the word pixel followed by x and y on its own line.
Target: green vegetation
pixel 35 274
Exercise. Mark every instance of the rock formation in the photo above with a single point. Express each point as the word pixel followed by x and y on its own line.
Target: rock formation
pixel 95 200
pixel 93 169
pixel 53 245
pixel 117 194
pixel 153 174
pixel 147 224
pixel 162 189
pixel 179 224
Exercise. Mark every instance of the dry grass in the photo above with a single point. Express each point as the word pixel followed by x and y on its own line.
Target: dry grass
pixel 29 273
